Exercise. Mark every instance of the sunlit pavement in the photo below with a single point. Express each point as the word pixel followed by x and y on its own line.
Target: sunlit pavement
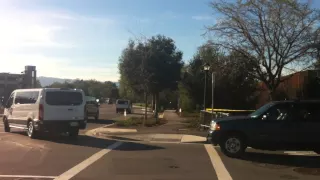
pixel 93 158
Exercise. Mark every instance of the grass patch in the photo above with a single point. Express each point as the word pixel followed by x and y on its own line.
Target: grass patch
pixel 193 122
pixel 189 114
pixel 138 121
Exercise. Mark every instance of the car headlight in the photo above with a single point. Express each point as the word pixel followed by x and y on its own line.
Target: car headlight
pixel 214 126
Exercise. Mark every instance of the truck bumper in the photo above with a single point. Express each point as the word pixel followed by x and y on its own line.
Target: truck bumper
pixel 213 137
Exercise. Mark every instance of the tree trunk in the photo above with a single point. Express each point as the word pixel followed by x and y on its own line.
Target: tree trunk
pixel 146 109
pixel 272 93
pixel 153 101
pixel 156 106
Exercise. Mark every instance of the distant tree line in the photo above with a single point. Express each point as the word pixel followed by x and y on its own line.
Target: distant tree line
pixel 93 88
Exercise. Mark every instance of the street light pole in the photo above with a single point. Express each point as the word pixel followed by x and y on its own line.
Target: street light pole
pixel 206 68
pixel 204 93
pixel 212 93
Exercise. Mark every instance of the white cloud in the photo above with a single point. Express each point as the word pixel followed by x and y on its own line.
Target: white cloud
pixel 21 29
pixel 57 67
pixel 201 18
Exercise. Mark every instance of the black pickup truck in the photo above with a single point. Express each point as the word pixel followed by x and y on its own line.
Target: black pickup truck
pixel 281 125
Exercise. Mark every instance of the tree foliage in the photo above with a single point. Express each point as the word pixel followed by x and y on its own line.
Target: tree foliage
pixel 271 34
pixel 151 66
pixel 234 89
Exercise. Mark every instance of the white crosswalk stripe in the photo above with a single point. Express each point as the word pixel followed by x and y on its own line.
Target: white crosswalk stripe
pixel 299 153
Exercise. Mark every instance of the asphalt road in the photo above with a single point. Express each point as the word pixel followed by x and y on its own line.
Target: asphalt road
pixel 57 157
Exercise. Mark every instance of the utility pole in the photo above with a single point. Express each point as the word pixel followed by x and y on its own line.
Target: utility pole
pixel 206 68
pixel 212 93
pixel 204 93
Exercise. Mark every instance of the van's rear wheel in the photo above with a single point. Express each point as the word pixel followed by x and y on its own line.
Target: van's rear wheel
pixel 32 133
pixel 73 133
pixel 6 125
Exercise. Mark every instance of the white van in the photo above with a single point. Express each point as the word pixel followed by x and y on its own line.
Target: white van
pixel 123 105
pixel 46 110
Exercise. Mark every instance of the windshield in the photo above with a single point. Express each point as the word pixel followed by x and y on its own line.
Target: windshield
pixel 261 110
pixel 65 98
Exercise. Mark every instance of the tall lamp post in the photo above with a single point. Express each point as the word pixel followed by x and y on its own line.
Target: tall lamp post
pixel 212 92
pixel 206 68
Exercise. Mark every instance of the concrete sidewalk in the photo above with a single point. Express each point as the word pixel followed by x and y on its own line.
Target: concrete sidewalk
pixel 173 131
pixel 163 138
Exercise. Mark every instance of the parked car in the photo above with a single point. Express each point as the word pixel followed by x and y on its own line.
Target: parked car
pixel 122 104
pixel 45 110
pixel 282 125
pixel 92 107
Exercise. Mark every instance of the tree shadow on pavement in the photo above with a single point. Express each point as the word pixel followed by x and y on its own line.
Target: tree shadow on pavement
pixel 122 138
pixel 100 121
pixel 283 159
pixel 94 142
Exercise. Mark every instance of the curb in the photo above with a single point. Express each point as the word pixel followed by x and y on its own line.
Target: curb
pixel 92 131
pixel 150 138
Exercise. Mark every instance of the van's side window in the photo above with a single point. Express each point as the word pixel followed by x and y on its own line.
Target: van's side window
pixel 29 97
pixel 10 101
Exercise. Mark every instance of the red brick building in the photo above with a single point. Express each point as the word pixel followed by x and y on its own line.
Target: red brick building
pixel 302 85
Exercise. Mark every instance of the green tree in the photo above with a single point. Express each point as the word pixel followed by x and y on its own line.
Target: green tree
pixel 142 65
pixel 271 34
pixel 234 89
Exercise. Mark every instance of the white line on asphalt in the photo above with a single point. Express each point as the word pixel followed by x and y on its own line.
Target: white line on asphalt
pixel 27 176
pixel 84 164
pixel 221 171
pixel 301 153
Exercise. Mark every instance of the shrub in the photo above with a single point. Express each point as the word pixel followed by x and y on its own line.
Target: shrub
pixel 194 123
pixel 136 121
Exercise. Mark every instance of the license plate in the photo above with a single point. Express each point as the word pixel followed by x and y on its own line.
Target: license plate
pixel 74 124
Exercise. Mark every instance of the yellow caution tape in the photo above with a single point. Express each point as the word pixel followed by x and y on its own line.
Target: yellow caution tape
pixel 227 110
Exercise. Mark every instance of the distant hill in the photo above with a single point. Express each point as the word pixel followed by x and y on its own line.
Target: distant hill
pixel 46 81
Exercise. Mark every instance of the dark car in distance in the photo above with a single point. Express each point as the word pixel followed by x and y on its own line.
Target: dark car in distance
pixel 92 107
pixel 281 125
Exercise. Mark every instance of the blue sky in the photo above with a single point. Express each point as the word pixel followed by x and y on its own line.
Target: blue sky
pixel 84 38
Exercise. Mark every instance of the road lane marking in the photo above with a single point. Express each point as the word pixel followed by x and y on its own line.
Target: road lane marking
pixel 300 153
pixel 84 164
pixel 221 171
pixel 27 176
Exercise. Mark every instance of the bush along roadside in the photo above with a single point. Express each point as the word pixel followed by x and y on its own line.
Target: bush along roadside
pixel 187 114
pixel 192 123
pixel 137 121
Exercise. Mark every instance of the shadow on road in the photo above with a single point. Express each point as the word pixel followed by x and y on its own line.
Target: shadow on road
pixel 100 121
pixel 283 159
pixel 89 141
